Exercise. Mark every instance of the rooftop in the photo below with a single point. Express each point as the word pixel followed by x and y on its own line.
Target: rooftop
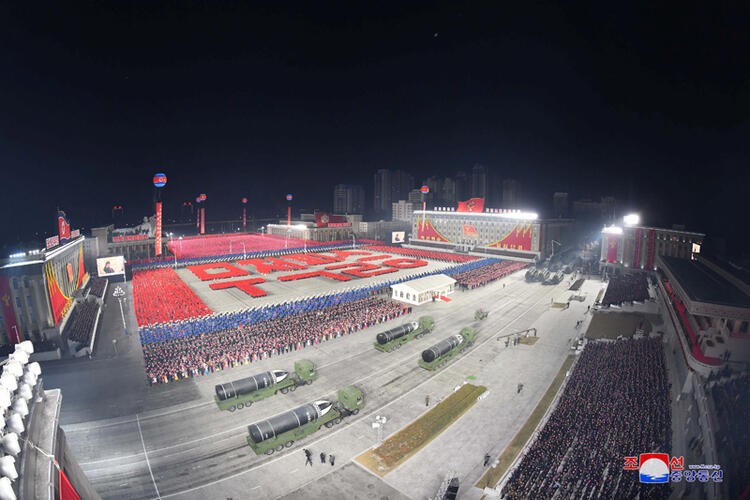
pixel 704 285
pixel 427 283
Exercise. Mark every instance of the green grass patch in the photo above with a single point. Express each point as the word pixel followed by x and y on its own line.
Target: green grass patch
pixel 401 446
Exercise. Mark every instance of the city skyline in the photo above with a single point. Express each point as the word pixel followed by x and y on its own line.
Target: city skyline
pixel 590 101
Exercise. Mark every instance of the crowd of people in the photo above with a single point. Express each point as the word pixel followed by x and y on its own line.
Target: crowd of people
pixel 616 403
pixel 422 254
pixel 732 402
pixel 237 254
pixel 160 295
pixel 97 287
pixel 188 326
pixel 194 355
pixel 626 288
pixel 481 276
pixel 80 325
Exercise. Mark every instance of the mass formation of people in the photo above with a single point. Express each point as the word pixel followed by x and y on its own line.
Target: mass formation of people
pixel 194 355
pixel 487 274
pixel 80 326
pixel 627 288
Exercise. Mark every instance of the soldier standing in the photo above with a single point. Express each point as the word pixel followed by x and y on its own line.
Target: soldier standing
pixel 331 459
pixel 322 457
pixel 427 400
pixel 308 456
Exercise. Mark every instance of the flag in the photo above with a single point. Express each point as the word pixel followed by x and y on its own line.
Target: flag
pixel 471 205
pixel 63 226
pixel 470 230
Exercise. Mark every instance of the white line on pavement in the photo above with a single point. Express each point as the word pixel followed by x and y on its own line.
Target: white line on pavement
pixel 145 454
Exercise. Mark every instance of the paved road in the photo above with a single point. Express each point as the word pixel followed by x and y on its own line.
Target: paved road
pixel 172 441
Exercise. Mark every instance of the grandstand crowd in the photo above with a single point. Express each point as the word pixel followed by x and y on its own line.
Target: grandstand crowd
pixel 481 276
pixel 627 288
pixel 188 356
pixel 732 403
pixel 97 286
pixel 80 325
pixel 615 404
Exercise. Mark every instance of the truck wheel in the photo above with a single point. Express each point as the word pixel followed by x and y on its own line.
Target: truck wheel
pixel 269 451
pixel 355 411
pixel 248 404
pixel 329 424
pixel 289 444
pixel 280 447
pixel 240 406
pixel 308 382
pixel 232 408
pixel 336 420
pixel 284 390
pixel 293 388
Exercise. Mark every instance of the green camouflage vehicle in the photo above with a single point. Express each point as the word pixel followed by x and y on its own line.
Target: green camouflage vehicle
pixel 392 339
pixel 441 353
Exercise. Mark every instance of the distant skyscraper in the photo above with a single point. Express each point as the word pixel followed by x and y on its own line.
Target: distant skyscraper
pixel 511 193
pixel 415 196
pixel 463 187
pixel 560 204
pixel 448 193
pixel 479 181
pixel 402 210
pixel 390 186
pixel 348 198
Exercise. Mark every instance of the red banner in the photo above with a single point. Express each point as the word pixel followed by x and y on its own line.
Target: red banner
pixel 67 492
pixel 471 205
pixel 323 219
pixel 244 217
pixel 52 242
pixel 651 246
pixel 203 220
pixel 426 231
pixel 470 230
pixel 519 238
pixel 9 315
pixel 612 243
pixel 57 298
pixel 637 249
pixel 157 249
pixel 63 227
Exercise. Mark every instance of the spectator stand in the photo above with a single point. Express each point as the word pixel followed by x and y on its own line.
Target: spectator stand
pixel 80 330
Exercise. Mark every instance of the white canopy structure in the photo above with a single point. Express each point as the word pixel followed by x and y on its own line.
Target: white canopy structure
pixel 422 290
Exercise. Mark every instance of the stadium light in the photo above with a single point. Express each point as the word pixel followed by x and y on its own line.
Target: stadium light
pixel 631 220
pixel 612 230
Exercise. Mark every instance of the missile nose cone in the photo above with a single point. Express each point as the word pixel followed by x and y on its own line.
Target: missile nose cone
pixel 323 406
pixel 280 375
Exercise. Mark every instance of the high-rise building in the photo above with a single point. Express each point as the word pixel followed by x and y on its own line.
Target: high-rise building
pixel 560 204
pixel 402 210
pixel 390 185
pixel 448 192
pixel 478 181
pixel 463 186
pixel 348 199
pixel 511 193
pixel 415 196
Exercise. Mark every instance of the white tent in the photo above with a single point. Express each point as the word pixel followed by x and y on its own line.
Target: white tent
pixel 423 290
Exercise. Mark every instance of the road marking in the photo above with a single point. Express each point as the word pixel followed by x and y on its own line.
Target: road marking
pixel 362 415
pixel 255 487
pixel 143 443
pixel 293 471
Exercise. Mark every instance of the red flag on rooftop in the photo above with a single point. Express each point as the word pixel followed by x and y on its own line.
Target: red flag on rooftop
pixel 471 205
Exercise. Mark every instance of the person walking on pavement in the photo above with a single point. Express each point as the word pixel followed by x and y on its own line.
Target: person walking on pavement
pixel 322 457
pixel 487 460
pixel 427 400
pixel 308 457
pixel 520 388
pixel 331 459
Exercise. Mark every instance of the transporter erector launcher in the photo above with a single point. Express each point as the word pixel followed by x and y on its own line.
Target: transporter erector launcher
pixel 392 339
pixel 442 352
pixel 395 333
pixel 249 384
pixel 279 424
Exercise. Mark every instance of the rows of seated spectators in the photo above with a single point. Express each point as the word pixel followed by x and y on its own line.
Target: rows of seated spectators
pixel 615 404
pixel 422 254
pixel 627 288
pixel 160 295
pixel 732 402
pixel 80 325
pixel 202 354
pixel 487 274
pixel 97 286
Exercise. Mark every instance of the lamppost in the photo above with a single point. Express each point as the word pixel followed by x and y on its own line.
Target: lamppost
pixel 378 424
pixel 119 293
pixel 354 241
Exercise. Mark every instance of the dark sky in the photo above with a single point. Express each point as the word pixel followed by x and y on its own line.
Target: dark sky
pixel 649 103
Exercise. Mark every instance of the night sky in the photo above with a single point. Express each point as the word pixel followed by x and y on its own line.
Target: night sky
pixel 646 103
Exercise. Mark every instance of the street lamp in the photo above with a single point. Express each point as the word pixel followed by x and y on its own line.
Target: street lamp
pixel 354 241
pixel 378 424
pixel 119 293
